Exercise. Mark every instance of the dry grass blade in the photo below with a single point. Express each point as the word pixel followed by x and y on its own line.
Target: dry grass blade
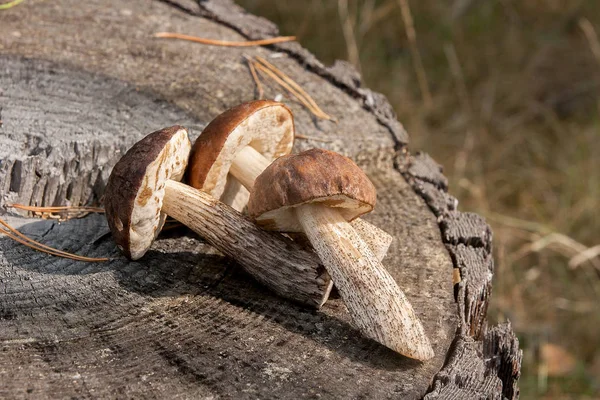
pixel 288 83
pixel 348 30
pixel 462 158
pixel 19 237
pixel 588 254
pixel 459 77
pixel 559 243
pixel 591 36
pixel 562 244
pixel 225 43
pixel 517 223
pixel 411 34
pixel 372 18
pixel 10 4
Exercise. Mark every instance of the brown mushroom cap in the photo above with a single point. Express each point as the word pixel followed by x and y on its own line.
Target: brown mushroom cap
pixel 266 125
pixel 313 176
pixel 135 188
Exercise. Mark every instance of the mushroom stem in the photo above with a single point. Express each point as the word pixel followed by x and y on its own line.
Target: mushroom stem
pixel 272 259
pixel 249 164
pixel 377 305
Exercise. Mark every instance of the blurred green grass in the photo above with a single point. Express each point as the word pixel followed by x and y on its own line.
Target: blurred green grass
pixel 515 121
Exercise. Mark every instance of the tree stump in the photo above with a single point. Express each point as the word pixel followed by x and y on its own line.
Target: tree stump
pixel 80 82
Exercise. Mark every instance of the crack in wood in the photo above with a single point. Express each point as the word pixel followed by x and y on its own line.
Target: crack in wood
pixel 468 239
pixel 424 175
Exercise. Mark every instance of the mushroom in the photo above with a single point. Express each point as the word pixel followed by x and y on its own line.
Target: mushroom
pixel 242 142
pixel 317 192
pixel 143 189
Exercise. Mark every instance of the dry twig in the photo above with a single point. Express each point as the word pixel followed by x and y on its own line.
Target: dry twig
pixel 226 43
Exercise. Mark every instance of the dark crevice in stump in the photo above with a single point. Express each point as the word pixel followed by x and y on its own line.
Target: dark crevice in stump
pixel 468 239
pixel 184 321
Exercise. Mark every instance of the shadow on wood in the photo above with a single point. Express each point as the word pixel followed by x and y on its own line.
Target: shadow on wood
pixel 183 321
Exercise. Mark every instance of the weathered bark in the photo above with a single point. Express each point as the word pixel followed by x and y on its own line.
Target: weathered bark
pixel 489 366
pixel 80 82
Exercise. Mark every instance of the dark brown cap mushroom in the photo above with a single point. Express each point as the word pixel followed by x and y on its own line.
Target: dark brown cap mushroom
pixel 136 187
pixel 142 189
pixel 314 176
pixel 239 144
pixel 317 192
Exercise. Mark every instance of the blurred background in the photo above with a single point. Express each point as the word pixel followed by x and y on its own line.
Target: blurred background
pixel 505 94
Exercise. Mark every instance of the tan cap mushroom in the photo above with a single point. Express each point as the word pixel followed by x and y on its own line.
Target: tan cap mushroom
pixel 263 125
pixel 243 141
pixel 142 189
pixel 317 192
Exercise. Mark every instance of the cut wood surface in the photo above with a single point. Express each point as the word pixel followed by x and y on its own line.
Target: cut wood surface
pixel 80 82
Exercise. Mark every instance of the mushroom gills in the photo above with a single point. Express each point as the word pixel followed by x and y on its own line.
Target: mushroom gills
pixel 249 164
pixel 146 218
pixel 292 195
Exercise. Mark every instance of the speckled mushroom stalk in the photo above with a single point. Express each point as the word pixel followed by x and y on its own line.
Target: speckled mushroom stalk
pixel 317 192
pixel 143 189
pixel 239 144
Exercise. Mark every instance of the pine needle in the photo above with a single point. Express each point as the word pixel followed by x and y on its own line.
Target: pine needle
pixel 300 93
pixel 64 212
pixel 259 87
pixel 226 43
pixel 17 236
pixel 270 71
pixel 313 138
pixel 52 209
pixel 10 4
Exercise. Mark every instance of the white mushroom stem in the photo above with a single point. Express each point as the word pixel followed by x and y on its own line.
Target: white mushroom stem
pixel 249 164
pixel 272 259
pixel 376 238
pixel 377 305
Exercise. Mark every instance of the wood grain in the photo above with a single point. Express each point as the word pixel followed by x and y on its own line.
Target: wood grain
pixel 80 83
pixel 490 366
